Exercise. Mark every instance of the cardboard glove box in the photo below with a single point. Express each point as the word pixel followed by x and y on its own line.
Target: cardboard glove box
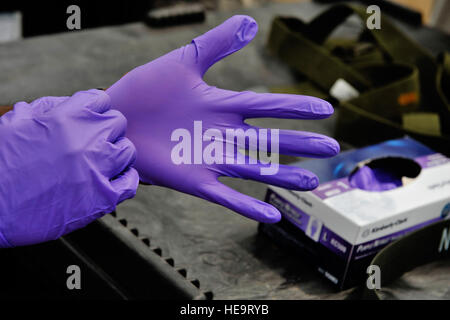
pixel 340 228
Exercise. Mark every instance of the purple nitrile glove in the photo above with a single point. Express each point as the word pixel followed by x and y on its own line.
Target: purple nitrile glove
pixel 64 162
pixel 375 179
pixel 169 94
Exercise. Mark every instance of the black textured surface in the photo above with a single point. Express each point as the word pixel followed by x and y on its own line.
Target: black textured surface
pixel 217 246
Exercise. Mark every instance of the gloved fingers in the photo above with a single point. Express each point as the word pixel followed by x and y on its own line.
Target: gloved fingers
pixel 21 107
pixel 287 142
pixel 46 103
pixel 115 125
pixel 126 184
pixel 374 179
pixel 40 105
pixel 95 100
pixel 116 157
pixel 214 45
pixel 247 206
pixel 307 144
pixel 284 176
pixel 277 105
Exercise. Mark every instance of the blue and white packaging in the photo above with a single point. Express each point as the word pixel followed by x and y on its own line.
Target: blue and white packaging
pixel 339 228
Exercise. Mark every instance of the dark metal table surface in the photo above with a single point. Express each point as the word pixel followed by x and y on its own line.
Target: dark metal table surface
pixel 220 248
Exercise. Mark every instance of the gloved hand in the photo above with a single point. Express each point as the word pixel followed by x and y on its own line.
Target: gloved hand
pixel 64 162
pixel 375 179
pixel 169 93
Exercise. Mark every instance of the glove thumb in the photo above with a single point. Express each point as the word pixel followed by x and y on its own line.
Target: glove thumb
pixel 232 35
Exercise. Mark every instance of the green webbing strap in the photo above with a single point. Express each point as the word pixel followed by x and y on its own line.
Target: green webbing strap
pixel 288 41
pixel 304 87
pixel 388 105
pixel 376 93
pixel 300 46
pixel 422 122
pixel 360 115
pixel 389 38
pixel 355 53
pixel 361 127
pixel 390 99
pixel 417 248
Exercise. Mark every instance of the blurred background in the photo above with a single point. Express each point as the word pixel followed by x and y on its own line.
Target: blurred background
pixel 30 18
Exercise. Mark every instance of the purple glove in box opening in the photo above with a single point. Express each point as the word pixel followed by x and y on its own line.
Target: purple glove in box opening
pixel 366 199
